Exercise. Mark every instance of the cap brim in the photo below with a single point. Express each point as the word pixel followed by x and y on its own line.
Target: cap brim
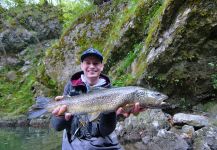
pixel 91 54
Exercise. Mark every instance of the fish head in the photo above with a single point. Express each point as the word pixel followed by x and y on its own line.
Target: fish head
pixel 149 97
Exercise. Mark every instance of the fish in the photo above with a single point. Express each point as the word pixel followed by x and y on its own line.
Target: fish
pixel 106 100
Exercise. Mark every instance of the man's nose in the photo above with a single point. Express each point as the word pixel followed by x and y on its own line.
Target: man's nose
pixel 91 65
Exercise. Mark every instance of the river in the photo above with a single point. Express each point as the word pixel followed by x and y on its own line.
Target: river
pixel 29 138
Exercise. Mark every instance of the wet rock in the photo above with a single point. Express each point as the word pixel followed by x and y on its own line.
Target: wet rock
pixel 40 122
pixel 193 120
pixel 15 121
pixel 7 123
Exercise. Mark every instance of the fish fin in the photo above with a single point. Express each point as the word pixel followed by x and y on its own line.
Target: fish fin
pixel 93 116
pixel 36 113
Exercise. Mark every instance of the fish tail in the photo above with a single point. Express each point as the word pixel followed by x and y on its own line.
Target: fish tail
pixel 38 109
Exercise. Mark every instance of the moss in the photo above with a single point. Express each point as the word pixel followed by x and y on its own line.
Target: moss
pixel 44 79
pixel 125 64
pixel 139 15
pixel 153 24
pixel 18 95
pixel 54 54
pixel 210 107
pixel 123 80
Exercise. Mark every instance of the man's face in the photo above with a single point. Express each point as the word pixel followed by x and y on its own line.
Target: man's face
pixel 92 67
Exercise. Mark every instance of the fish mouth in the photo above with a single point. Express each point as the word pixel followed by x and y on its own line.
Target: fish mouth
pixel 164 97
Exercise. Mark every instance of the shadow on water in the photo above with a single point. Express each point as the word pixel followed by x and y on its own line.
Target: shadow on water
pixel 30 138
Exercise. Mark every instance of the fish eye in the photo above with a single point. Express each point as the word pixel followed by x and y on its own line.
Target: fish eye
pixel 158 94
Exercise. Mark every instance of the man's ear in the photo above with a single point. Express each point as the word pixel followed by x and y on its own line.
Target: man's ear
pixel 102 67
pixel 81 65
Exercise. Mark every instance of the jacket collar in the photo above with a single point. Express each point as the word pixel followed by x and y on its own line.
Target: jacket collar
pixel 76 80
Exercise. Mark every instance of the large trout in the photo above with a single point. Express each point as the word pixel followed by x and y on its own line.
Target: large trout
pixel 110 99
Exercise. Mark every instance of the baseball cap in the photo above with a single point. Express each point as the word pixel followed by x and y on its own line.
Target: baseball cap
pixel 91 52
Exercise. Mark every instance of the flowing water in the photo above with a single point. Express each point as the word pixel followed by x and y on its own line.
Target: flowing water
pixel 29 139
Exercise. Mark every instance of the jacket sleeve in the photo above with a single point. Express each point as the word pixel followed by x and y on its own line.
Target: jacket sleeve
pixel 67 88
pixel 107 123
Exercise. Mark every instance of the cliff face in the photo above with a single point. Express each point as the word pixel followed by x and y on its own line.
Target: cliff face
pixel 166 45
pixel 182 60
pixel 25 34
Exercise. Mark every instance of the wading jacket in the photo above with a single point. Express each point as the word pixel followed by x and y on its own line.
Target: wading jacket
pixel 81 134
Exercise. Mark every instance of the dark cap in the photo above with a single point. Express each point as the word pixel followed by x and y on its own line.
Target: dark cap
pixel 91 52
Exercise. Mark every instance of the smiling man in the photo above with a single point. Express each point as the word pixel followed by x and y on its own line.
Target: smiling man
pixel 80 133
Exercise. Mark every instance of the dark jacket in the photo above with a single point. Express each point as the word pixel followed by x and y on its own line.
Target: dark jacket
pixel 94 135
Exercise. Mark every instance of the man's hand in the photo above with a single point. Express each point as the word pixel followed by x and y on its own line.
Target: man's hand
pixel 61 110
pixel 135 110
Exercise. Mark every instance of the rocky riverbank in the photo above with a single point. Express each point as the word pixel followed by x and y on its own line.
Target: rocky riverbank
pixel 151 129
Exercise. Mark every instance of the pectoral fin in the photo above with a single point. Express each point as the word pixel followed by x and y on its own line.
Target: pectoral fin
pixel 93 116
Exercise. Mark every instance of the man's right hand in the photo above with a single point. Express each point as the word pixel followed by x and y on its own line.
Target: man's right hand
pixel 61 110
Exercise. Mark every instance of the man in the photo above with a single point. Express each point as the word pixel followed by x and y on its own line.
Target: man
pixel 79 133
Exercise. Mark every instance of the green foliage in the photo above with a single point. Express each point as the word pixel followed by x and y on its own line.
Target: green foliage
pixel 73 10
pixel 213 76
pixel 129 59
pixel 214 81
pixel 19 2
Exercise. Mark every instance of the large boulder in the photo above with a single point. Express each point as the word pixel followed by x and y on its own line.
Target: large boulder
pixel 190 119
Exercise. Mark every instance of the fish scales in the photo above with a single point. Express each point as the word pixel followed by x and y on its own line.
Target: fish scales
pixel 109 99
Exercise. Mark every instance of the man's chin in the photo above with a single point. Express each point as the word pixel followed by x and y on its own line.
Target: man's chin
pixel 92 76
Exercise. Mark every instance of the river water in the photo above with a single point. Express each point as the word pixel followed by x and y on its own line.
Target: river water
pixel 30 139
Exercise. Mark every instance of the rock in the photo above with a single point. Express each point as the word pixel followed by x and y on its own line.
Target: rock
pixel 166 140
pixel 7 123
pixel 15 121
pixel 188 130
pixel 39 122
pixel 11 75
pixel 146 123
pixel 205 139
pixel 25 68
pixel 189 119
pixel 16 39
pixel 10 60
